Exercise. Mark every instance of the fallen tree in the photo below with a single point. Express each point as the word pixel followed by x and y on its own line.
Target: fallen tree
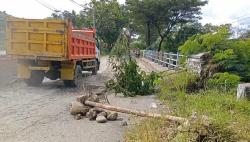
pixel 135 112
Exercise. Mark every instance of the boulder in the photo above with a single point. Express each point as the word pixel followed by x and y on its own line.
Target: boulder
pixel 91 115
pixel 78 108
pixel 78 117
pixel 82 98
pixel 97 110
pixel 101 119
pixel 93 98
pixel 112 116
pixel 103 114
pixel 124 123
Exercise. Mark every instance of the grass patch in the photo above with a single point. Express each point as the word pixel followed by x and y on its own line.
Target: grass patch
pixel 227 114
pixel 226 118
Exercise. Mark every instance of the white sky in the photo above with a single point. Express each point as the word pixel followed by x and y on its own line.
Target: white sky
pixel 216 12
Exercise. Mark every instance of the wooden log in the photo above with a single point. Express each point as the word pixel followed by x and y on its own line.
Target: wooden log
pixel 135 112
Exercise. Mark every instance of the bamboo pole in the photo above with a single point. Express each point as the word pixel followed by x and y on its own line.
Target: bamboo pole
pixel 135 112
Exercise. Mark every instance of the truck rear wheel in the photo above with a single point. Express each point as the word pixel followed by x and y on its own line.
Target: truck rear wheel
pixel 36 78
pixel 94 70
pixel 77 80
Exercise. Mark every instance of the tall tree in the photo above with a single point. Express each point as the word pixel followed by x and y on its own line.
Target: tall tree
pixel 245 35
pixel 109 19
pixel 75 18
pixel 180 34
pixel 165 15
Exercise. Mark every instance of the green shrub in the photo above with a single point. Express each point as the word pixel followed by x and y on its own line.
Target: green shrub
pixel 105 51
pixel 128 78
pixel 138 45
pixel 205 43
pixel 175 84
pixel 224 81
pixel 228 118
pixel 230 55
pixel 130 81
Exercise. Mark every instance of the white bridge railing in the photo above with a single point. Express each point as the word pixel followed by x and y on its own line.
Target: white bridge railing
pixel 169 60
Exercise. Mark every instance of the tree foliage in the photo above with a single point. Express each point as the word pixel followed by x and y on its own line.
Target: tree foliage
pixel 165 15
pixel 179 35
pixel 128 78
pixel 109 19
pixel 75 18
pixel 223 81
pixel 205 42
pixel 230 55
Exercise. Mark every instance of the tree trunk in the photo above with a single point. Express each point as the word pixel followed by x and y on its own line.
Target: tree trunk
pixel 160 44
pixel 148 34
pixel 135 112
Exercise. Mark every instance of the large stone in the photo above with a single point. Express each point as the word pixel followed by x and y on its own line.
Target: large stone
pixel 97 110
pixel 243 91
pixel 78 108
pixel 82 98
pixel 91 115
pixel 124 123
pixel 93 98
pixel 103 114
pixel 101 119
pixel 112 116
pixel 78 117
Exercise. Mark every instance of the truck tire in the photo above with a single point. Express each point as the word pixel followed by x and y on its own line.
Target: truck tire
pixel 94 70
pixel 77 80
pixel 36 78
pixel 98 65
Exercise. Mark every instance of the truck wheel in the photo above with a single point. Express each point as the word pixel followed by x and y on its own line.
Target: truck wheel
pixel 36 78
pixel 77 80
pixel 98 65
pixel 94 70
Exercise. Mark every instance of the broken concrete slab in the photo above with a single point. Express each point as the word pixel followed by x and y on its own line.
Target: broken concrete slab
pixel 78 108
pixel 243 91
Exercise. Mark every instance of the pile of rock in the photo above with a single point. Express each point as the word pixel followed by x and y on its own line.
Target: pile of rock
pixel 80 110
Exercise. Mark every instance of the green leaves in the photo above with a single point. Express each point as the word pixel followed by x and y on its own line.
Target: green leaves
pixel 130 81
pixel 128 78
pixel 164 15
pixel 109 19
pixel 206 42
pixel 231 55
pixel 223 81
pixel 224 55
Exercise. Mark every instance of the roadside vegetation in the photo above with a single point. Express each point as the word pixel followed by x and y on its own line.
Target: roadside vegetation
pixel 227 54
pixel 214 114
pixel 128 78
pixel 209 100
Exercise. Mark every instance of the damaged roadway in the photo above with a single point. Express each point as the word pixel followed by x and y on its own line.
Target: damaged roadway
pixel 41 114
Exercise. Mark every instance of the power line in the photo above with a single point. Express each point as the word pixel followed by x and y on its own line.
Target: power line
pixel 243 18
pixel 93 14
pixel 47 6
pixel 73 1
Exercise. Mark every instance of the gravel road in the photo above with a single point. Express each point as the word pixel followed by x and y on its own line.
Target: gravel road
pixel 41 114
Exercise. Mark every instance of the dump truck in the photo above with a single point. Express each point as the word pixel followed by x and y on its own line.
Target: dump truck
pixel 52 49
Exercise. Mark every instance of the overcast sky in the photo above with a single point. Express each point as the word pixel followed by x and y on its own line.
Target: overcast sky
pixel 216 12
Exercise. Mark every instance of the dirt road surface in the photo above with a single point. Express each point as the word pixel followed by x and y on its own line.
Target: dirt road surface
pixel 41 114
